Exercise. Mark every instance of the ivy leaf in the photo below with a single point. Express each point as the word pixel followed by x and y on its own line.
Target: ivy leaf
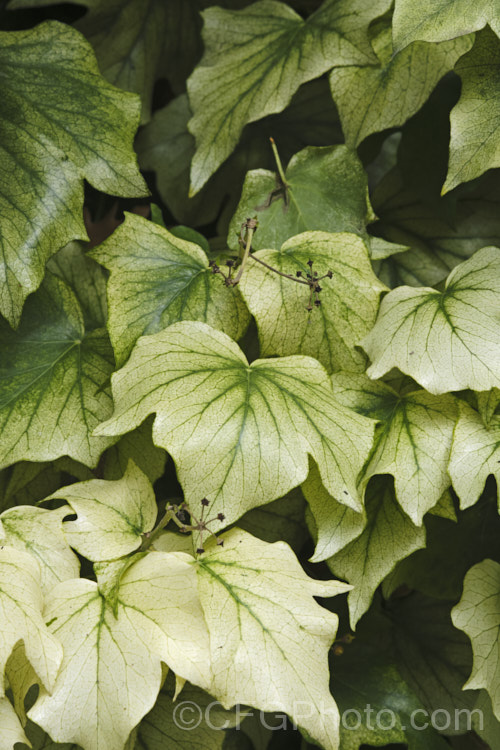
pixel 478 615
pixel 451 549
pixel 12 731
pixel 438 20
pixel 326 190
pixel 87 280
pixel 475 133
pixel 281 520
pixel 446 341
pixel 53 379
pixel 50 144
pixel 30 482
pixel 388 537
pixel 372 695
pixel 118 657
pixel 138 446
pixel 267 599
pixel 433 657
pixel 371 99
pixel 475 455
pixel 238 433
pixel 251 68
pixel 39 533
pixel 21 601
pixel 349 300
pixel 164 722
pixel 158 280
pixel 112 515
pixel 335 524
pixel 166 146
pixel 487 403
pixel 412 443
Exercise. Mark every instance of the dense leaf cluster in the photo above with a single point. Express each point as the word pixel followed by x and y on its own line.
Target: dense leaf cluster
pixel 275 378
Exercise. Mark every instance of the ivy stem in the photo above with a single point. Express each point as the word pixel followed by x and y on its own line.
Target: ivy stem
pixel 280 273
pixel 279 165
pixel 150 536
pixel 251 226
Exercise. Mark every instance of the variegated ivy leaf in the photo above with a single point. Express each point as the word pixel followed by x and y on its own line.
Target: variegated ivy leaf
pixel 448 340
pixel 39 532
pixel 270 649
pixel 256 59
pixel 412 442
pixel 138 446
pixel 475 454
pixel 475 129
pixel 371 99
pixel 349 300
pixel 112 515
pixel 61 123
pixel 335 524
pixel 487 404
pixel 326 189
pixel 438 20
pixel 158 279
pixel 117 655
pixel 478 614
pixel 388 536
pixel 238 433
pixel 21 603
pixel 53 381
pixel 12 731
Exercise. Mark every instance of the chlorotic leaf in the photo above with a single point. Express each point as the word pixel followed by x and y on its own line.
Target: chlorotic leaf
pixel 112 515
pixel 336 525
pixel 21 602
pixel 270 650
pixel 111 672
pixel 158 279
pixel 438 20
pixel 446 340
pixel 53 381
pixel 478 614
pixel 487 404
pixel 166 146
pixel 475 455
pixel 388 537
pixel 412 443
pixel 326 189
pixel 12 731
pixel 371 99
pixel 238 433
pixel 348 301
pixel 256 59
pixel 39 532
pixel 87 280
pixel 475 132
pixel 50 143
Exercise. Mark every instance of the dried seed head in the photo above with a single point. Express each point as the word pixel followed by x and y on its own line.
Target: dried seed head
pixel 329 274
pixel 299 274
pixel 220 516
pixel 317 302
pixel 309 263
pixel 205 502
pixel 200 551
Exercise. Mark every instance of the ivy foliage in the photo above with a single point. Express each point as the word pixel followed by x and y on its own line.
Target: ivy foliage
pixel 249 359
